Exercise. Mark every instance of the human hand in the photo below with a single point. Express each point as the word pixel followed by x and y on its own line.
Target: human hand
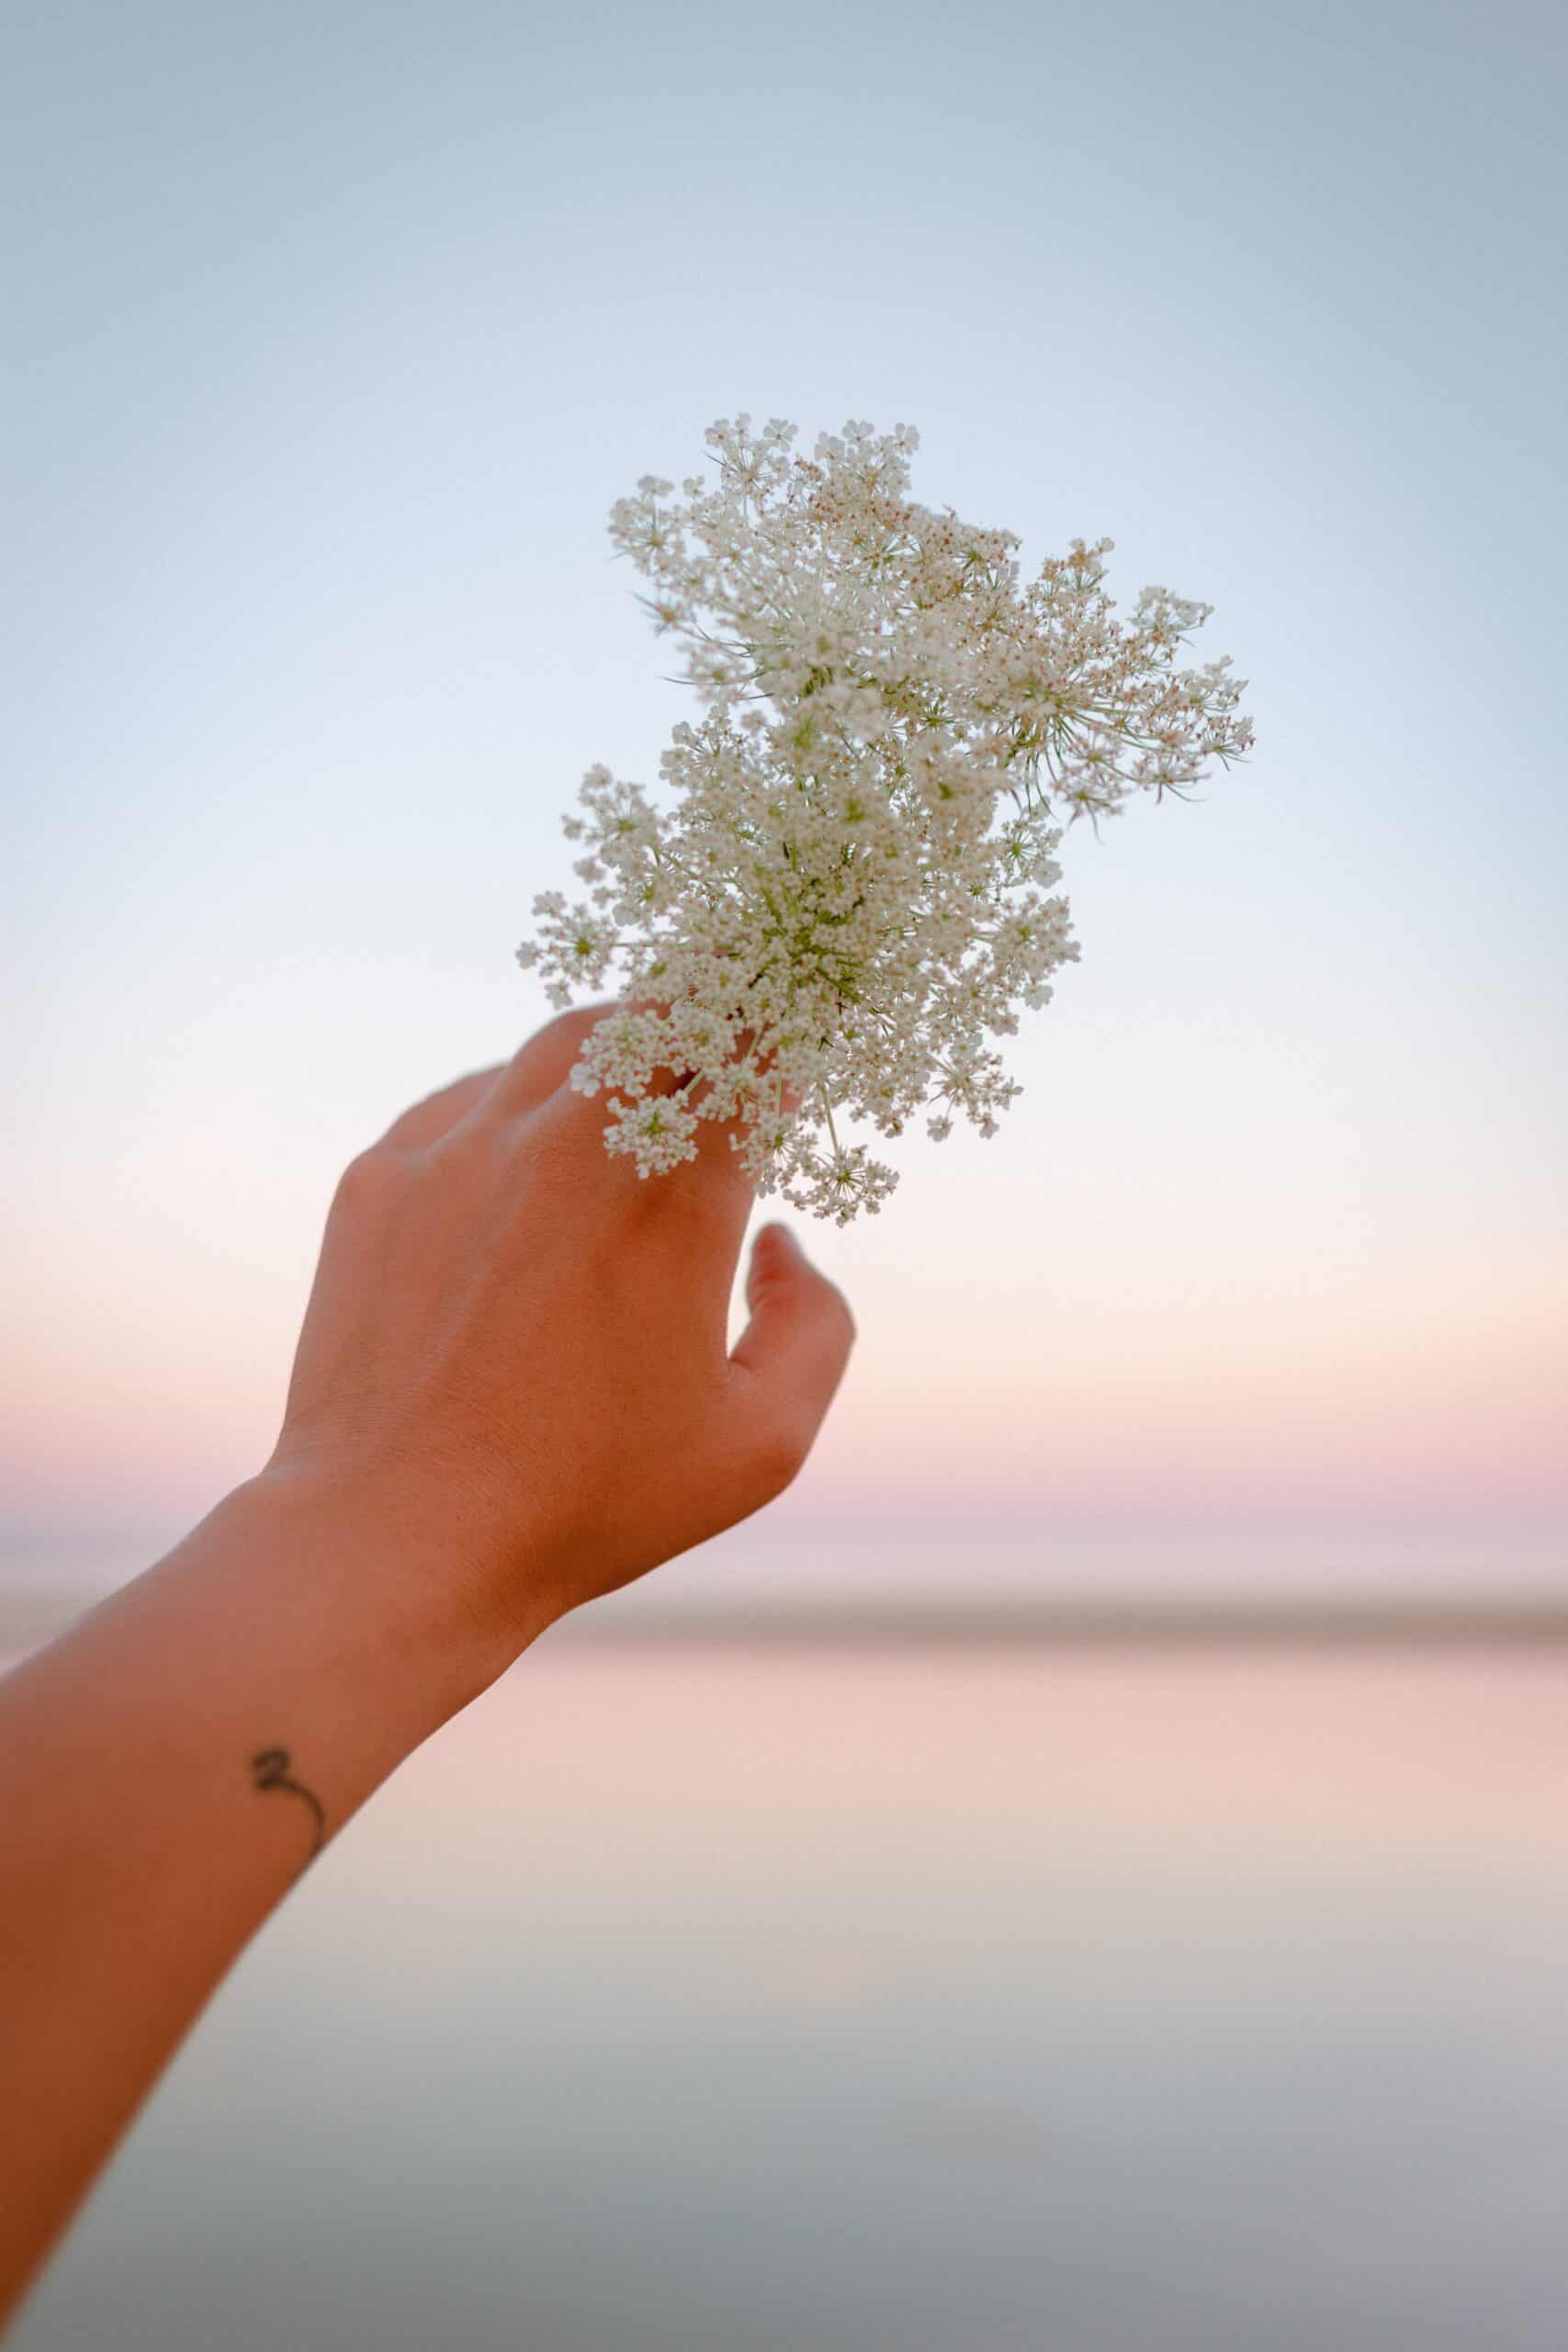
pixel 515 1350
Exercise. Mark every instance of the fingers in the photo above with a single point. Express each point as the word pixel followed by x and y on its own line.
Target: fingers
pixel 796 1344
pixel 712 1185
pixel 540 1065
pixel 543 1063
pixel 426 1121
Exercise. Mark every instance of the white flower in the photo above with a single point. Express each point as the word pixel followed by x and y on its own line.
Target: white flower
pixel 853 886
pixel 660 1132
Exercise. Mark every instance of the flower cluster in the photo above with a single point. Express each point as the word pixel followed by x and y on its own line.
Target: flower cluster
pixel 851 889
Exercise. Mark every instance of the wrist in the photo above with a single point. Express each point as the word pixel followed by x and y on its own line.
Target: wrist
pixel 398 1590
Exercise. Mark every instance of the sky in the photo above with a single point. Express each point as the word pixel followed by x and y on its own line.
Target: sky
pixel 336 333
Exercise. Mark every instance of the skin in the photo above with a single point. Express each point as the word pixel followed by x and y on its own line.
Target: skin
pixel 512 1394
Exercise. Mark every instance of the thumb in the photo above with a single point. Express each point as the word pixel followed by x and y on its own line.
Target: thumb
pixel 798 1340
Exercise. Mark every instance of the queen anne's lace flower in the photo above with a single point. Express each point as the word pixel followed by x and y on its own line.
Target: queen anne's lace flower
pixel 851 889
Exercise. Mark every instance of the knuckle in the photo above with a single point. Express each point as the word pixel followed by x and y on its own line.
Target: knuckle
pixel 474 1144
pixel 843 1314
pixel 571 1027
pixel 832 1315
pixel 699 1200
pixel 778 1455
pixel 549 1052
pixel 365 1180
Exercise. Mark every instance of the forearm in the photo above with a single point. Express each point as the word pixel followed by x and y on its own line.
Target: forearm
pixel 167 1771
pixel 510 1395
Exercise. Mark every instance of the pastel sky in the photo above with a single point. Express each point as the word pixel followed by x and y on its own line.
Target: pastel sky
pixel 341 328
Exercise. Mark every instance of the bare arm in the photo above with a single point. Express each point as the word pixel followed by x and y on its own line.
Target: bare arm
pixel 512 1394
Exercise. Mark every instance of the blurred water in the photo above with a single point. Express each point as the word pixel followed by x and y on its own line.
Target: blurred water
pixel 723 1999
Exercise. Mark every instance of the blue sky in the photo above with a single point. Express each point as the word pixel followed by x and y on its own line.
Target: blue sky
pixel 341 328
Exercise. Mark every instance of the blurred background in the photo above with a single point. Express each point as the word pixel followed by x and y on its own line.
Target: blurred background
pixel 1085 1868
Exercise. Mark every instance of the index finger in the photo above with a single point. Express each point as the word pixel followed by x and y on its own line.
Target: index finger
pixel 671 1127
pixel 426 1121
pixel 543 1061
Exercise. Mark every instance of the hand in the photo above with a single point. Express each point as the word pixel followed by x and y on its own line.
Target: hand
pixel 511 1393
pixel 515 1347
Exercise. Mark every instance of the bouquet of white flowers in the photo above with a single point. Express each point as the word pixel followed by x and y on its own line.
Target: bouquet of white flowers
pixel 851 890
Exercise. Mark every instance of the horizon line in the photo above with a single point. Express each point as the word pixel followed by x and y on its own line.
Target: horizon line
pixel 31 1619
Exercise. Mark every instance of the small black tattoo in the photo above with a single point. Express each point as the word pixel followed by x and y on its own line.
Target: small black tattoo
pixel 271 1768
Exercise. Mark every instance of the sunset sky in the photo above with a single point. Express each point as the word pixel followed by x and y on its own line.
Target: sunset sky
pixel 343 329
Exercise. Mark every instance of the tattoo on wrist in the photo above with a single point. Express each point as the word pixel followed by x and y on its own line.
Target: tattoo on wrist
pixel 271 1770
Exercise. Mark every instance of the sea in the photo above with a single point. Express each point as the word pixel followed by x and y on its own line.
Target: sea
pixel 769 1992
